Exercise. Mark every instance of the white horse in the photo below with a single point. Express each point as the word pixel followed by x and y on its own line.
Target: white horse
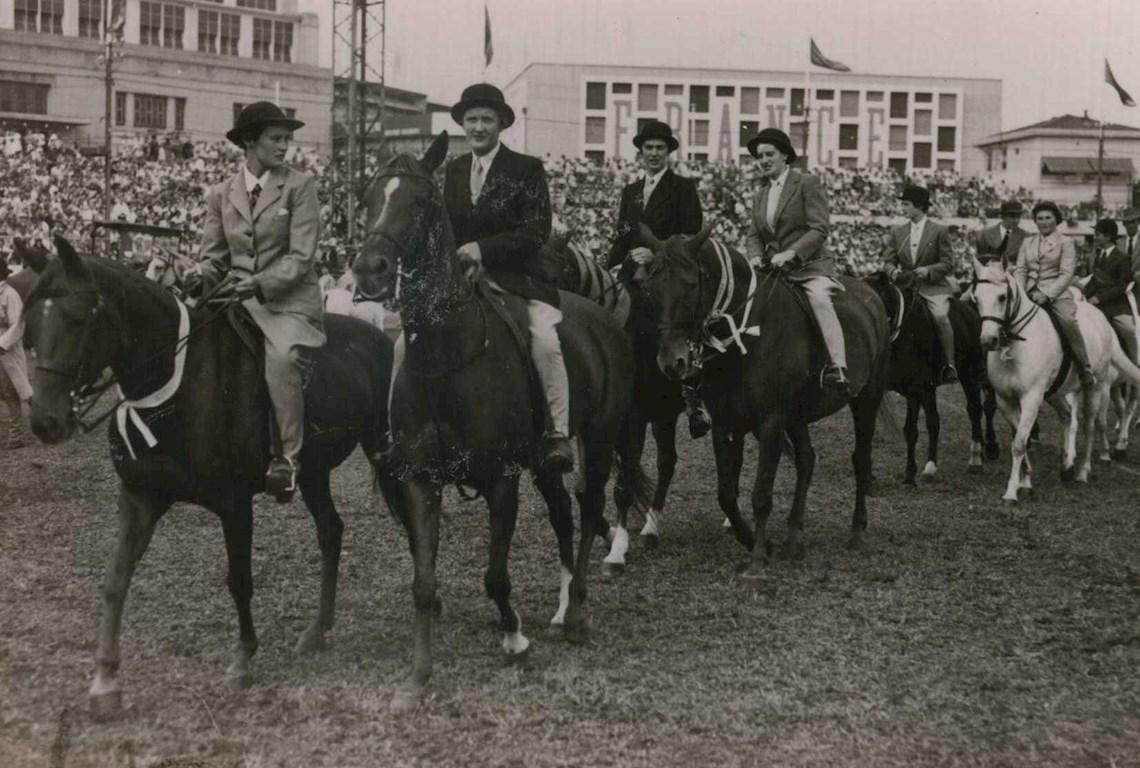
pixel 1024 358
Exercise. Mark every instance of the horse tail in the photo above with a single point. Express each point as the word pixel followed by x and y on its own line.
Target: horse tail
pixel 1121 362
pixel 888 418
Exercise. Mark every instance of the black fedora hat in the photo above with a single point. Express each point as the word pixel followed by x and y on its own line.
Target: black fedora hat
pixel 776 138
pixel 655 129
pixel 1108 228
pixel 918 196
pixel 483 95
pixel 1011 208
pixel 260 114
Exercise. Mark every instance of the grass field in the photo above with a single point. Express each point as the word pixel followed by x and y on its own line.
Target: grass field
pixel 966 634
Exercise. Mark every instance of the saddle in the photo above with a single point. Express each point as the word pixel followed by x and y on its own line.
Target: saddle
pixel 1066 354
pixel 512 311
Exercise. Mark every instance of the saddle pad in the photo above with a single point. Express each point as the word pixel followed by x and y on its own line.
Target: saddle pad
pixel 1066 356
pixel 512 311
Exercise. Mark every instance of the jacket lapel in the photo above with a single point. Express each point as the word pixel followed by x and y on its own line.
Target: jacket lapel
pixel 493 179
pixel 924 241
pixel 791 185
pixel 239 198
pixel 272 192
pixel 662 192
pixel 457 197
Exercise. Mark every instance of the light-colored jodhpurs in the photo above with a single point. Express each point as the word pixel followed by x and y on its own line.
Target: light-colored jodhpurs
pixel 939 306
pixel 819 291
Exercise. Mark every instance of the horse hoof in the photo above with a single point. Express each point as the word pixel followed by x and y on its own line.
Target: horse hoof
pixel 1009 502
pixel 650 540
pixel 106 706
pixel 974 469
pixel 1118 454
pixel 239 680
pixel 406 698
pixel 754 573
pixel 437 607
pixel 312 642
pixel 855 543
pixel 910 480
pixel 992 452
pixel 577 633
pixel 612 570
pixel 792 551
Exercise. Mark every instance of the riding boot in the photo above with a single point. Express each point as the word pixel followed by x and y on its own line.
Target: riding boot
pixel 1080 354
pixel 17 436
pixel 946 337
pixel 699 420
pixel 834 374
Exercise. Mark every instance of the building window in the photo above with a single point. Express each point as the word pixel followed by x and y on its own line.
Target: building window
pixel 179 114
pixel 260 5
pixel 161 25
pixel 947 138
pixel 150 111
pixel 923 120
pixel 150 23
pixel 898 165
pixel 874 95
pixel 595 95
pixel 923 98
pixel 39 16
pixel 262 38
pixel 647 97
pixel 173 25
pixel 849 136
pixel 749 101
pixel 595 130
pixel 622 88
pixel 674 89
pixel 825 94
pixel 700 133
pixel 848 162
pixel 849 103
pixel 922 154
pixel 748 129
pixel 797 132
pixel 208 31
pixel 726 90
pixel 698 98
pixel 228 34
pixel 797 108
pixel 597 156
pixel 700 157
pixel 642 122
pixel 282 41
pixel 947 106
pixel 898 138
pixel 945 165
pixel 120 108
pixel 775 93
pixel 91 18
pixel 898 104
pixel 28 98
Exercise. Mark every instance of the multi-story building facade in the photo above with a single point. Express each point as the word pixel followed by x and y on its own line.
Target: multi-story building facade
pixel 856 120
pixel 182 66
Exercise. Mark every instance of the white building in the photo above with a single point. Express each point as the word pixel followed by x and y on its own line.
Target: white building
pixel 1057 159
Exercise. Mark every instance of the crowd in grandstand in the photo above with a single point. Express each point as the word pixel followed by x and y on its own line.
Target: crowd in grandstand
pixel 45 182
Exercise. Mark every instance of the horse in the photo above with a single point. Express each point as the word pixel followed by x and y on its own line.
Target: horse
pixel 657 402
pixel 916 364
pixel 34 257
pixel 1026 364
pixel 762 353
pixel 192 426
pixel 466 408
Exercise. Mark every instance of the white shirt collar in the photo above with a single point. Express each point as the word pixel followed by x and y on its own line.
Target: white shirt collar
pixel 779 180
pixel 250 179
pixel 486 159
pixel 652 180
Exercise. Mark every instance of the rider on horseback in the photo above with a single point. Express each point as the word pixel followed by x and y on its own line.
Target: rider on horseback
pixel 1110 272
pixel 262 226
pixel 788 230
pixel 1046 265
pixel 919 251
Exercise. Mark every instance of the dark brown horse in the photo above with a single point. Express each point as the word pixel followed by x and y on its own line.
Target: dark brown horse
pixel 766 380
pixel 916 364
pixel 207 443
pixel 465 408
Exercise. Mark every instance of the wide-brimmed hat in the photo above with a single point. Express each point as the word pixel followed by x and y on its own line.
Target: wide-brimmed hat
pixel 260 114
pixel 655 129
pixel 1108 228
pixel 1011 208
pixel 1130 214
pixel 483 95
pixel 776 138
pixel 918 196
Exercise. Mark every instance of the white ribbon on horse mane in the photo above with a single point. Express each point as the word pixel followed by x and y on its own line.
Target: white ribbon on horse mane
pixel 724 294
pixel 130 408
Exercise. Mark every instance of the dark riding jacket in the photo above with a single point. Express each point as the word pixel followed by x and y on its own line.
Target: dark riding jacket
pixel 1111 275
pixel 674 209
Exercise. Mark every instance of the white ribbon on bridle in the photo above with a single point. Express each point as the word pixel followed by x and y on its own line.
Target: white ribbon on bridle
pixel 130 408
pixel 723 301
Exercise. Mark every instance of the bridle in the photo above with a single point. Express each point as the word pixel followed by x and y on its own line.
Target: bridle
pixel 400 249
pixel 1010 324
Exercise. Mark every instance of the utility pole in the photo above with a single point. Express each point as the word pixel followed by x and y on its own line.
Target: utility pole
pixel 108 83
pixel 1100 172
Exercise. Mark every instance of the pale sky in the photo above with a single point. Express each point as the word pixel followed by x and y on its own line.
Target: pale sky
pixel 1049 53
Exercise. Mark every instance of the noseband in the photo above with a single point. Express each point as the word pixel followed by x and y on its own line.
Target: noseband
pixel 84 393
pixel 400 248
pixel 1009 324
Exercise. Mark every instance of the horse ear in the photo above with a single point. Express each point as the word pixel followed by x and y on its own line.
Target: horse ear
pixel 977 265
pixel 436 153
pixel 694 243
pixel 648 237
pixel 72 264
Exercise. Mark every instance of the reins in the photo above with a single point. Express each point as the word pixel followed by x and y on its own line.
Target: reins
pixel 1009 325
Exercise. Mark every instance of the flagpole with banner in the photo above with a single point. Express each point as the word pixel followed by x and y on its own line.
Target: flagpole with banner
pixel 817 60
pixel 488 47
pixel 1126 100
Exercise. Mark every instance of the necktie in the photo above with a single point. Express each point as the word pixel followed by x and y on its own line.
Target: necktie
pixel 1132 246
pixel 647 193
pixel 253 195
pixel 1004 243
pixel 476 181
pixel 773 201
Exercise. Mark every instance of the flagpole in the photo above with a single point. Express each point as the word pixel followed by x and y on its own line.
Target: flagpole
pixel 1100 171
pixel 807 115
pixel 108 81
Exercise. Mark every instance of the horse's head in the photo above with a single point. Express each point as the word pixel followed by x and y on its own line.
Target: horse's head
pixel 994 293
pixel 681 297
pixel 33 256
pixel 73 343
pixel 404 211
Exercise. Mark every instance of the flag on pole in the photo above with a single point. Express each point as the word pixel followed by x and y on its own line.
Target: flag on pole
pixel 819 60
pixel 488 49
pixel 1125 99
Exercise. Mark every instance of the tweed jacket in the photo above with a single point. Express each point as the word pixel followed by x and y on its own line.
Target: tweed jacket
pixel 510 221
pixel 1109 277
pixel 1047 263
pixel 276 243
pixel 802 225
pixel 987 243
pixel 674 209
pixel 934 252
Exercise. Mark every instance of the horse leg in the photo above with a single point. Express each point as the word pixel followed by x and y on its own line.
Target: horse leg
pixel 910 431
pixel 728 450
pixel 596 461
pixel 933 429
pixel 503 503
pixel 634 434
pixel 1095 419
pixel 665 437
pixel 137 518
pixel 805 467
pixel 237 528
pixel 330 530
pixel 1022 416
pixel 865 413
pixel 770 436
pixel 1069 410
pixel 974 412
pixel 989 408
pixel 557 500
pixel 417 505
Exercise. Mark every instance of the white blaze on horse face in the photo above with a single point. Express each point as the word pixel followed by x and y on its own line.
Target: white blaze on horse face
pixel 563 597
pixel 389 191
